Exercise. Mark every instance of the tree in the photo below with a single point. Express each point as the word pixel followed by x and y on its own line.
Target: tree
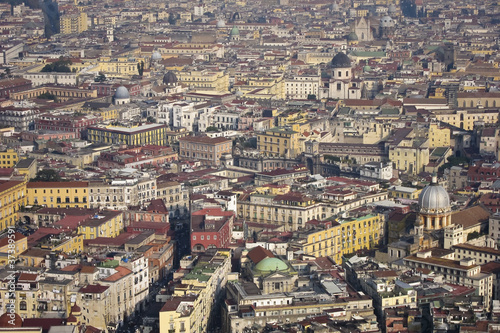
pixel 212 129
pixel 140 68
pixel 100 78
pixel 60 66
pixel 311 97
pixel 151 119
pixel 47 175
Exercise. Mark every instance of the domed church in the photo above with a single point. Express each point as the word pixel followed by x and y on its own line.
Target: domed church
pixel 434 206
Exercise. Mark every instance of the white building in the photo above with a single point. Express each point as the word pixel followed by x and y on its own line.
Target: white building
pixel 376 170
pixel 300 87
pixel 62 79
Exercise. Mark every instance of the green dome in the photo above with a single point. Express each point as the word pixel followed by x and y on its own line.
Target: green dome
pixel 352 36
pixel 271 265
pixel 367 68
pixel 234 31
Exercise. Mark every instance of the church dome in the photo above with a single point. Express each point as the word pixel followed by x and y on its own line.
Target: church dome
pixel 7 321
pixel 341 60
pixel 170 78
pixel 156 55
pixel 121 93
pixel 234 31
pixel 335 7
pixel 392 8
pixel 269 265
pixel 352 37
pixel 386 22
pixel 367 68
pixel 221 24
pixel 434 198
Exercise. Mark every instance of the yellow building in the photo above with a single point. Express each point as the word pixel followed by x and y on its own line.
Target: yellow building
pixel 27 167
pixel 57 194
pixel 322 243
pixel 8 158
pixel 292 117
pixel 105 224
pixel 149 134
pixel 438 136
pixel 73 23
pixel 364 232
pixel 12 197
pixel 279 142
pixel 465 119
pixel 344 237
pixel 122 66
pixel 409 156
pixel 68 244
pixel 19 245
pixel 205 80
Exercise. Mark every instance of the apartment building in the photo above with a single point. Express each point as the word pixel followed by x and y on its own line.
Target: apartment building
pixel 58 194
pixel 106 223
pixel 149 134
pixel 279 142
pixel 205 149
pixel 196 297
pixel 291 210
pixel 463 272
pixel 73 23
pixel 12 197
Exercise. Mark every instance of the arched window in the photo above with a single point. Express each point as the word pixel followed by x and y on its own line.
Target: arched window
pixel 22 305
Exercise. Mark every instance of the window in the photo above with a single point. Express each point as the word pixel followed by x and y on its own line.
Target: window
pixel 339 86
pixel 194 237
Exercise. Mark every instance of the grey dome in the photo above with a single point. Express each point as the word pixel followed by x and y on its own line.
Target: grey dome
pixel 121 93
pixel 221 24
pixel 335 7
pixel 170 78
pixel 156 55
pixel 392 8
pixel 341 60
pixel 434 198
pixel 386 22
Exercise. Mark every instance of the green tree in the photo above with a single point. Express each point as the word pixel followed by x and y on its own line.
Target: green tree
pixel 60 66
pixel 47 175
pixel 151 119
pixel 311 97
pixel 140 68
pixel 212 129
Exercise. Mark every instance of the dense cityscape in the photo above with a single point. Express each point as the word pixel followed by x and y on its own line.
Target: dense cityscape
pixel 249 166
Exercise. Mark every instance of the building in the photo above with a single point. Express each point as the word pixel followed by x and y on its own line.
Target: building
pixel 435 208
pixel 464 272
pixel 211 228
pixel 291 210
pixel 279 142
pixel 149 134
pixel 66 123
pixel 21 116
pixel 57 194
pixel 8 158
pixel 12 197
pixel 205 80
pixel 73 23
pixel 103 224
pixel 27 167
pixel 466 119
pixel 342 85
pixel 198 295
pixel 205 149
pixel 13 85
